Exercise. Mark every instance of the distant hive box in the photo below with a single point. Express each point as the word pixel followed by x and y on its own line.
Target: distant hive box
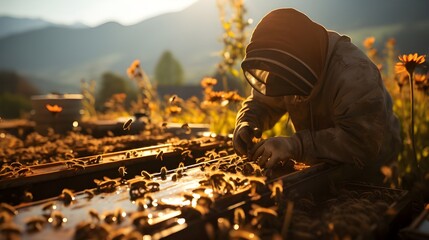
pixel 62 112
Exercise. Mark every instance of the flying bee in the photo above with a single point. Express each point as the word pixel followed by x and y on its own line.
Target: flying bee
pixel 122 171
pixel 146 175
pixel 35 224
pixel 159 156
pixel 127 124
pixel 163 173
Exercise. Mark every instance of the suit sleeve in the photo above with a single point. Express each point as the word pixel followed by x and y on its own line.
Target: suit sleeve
pixel 360 115
pixel 261 111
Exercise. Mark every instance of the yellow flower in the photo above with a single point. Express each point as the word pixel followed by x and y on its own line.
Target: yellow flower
pixel 131 71
pixel 54 108
pixel 175 109
pixel 369 42
pixel 409 62
pixel 208 82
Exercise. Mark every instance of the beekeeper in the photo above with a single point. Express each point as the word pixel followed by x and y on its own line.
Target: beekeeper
pixel 332 91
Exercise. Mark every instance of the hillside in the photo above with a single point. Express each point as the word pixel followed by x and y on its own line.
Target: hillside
pixel 64 56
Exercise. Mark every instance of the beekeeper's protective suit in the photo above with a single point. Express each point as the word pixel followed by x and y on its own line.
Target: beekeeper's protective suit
pixel 334 94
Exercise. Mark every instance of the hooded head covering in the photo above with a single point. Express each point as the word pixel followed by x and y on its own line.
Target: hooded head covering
pixel 286 54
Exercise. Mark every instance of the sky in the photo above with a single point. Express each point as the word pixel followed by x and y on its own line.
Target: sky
pixel 91 12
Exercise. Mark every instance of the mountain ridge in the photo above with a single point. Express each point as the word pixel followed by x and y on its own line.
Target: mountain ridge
pixel 64 55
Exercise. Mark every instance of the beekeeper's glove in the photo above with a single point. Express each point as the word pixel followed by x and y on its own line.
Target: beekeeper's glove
pixel 243 136
pixel 273 150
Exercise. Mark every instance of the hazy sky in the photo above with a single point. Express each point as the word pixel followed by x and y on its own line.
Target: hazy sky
pixel 91 12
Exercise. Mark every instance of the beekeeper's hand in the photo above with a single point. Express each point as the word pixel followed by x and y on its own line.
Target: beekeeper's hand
pixel 243 136
pixel 273 150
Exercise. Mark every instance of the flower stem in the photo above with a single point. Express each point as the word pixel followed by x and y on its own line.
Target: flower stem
pixel 413 143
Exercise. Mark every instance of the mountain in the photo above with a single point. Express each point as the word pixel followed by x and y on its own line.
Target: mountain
pixel 63 55
pixel 13 25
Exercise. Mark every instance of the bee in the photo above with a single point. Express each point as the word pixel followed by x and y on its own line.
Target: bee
pixel 4 207
pixel 99 158
pixel 49 206
pixel 222 153
pixel 127 155
pixel 174 177
pixel 139 219
pixel 276 189
pixel 81 162
pixel 187 128
pixel 201 159
pixel 57 219
pixel 164 125
pixel 153 186
pixel 146 175
pixel 89 193
pixel 69 163
pixel 127 124
pixel 69 156
pixel 239 216
pixel 135 153
pixel 181 165
pixel 163 173
pixel 110 217
pixel 108 185
pixel 10 229
pixel 122 171
pixel 186 153
pixel 172 98
pixel 28 197
pixel 67 196
pixel 211 154
pixel 35 224
pixel 16 164
pixel 256 210
pixel 6 169
pixel 88 230
pixel 23 171
pixel 78 167
pixel 159 156
pixel 94 214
